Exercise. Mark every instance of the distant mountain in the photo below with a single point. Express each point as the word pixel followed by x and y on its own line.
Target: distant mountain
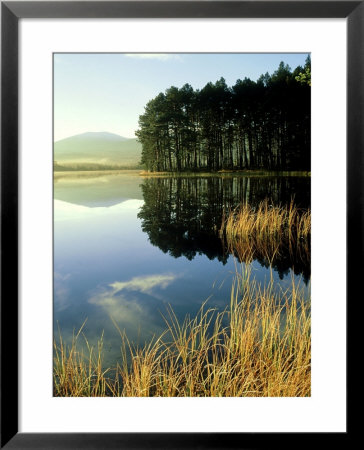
pixel 100 148
pixel 101 135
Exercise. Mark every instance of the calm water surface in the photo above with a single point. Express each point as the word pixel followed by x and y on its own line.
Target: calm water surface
pixel 126 247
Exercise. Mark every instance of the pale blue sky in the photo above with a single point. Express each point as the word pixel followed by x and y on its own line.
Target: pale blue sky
pixel 108 92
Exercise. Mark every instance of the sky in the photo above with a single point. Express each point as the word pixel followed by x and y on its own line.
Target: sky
pixel 108 92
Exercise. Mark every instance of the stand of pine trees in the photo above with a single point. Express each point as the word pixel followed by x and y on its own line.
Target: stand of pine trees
pixel 251 125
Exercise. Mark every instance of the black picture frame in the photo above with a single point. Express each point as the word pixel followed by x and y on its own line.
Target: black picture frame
pixel 11 12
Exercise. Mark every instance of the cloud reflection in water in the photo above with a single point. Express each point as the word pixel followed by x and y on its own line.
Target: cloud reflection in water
pixel 136 301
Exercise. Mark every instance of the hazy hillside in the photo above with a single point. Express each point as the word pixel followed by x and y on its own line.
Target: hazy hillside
pixel 97 148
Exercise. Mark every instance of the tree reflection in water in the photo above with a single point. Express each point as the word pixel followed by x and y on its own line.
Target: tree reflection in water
pixel 183 215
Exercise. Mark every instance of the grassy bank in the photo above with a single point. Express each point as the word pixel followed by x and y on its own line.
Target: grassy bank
pixel 260 346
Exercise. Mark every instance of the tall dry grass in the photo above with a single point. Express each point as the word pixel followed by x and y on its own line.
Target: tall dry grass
pixel 259 347
pixel 78 369
pixel 268 231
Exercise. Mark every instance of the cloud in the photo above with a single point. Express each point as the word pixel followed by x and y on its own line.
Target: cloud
pixel 156 56
pixel 144 284
pixel 123 302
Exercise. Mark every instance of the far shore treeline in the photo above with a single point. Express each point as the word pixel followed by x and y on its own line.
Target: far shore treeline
pixel 251 125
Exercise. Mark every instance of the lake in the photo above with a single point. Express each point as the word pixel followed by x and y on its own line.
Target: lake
pixel 127 246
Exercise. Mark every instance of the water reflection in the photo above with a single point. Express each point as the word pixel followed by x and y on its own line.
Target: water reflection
pixel 95 189
pixel 105 266
pixel 182 216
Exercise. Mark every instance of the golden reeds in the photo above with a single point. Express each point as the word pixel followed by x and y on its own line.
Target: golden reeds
pixel 268 231
pixel 260 346
pixel 80 374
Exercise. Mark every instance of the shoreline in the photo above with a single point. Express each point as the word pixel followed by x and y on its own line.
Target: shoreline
pixel 220 173
pixel 58 173
pixel 258 173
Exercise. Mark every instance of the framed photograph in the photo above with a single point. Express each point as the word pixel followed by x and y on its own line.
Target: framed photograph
pixel 178 180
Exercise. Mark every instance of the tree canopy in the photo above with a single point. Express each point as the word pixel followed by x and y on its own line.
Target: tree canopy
pixel 263 124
